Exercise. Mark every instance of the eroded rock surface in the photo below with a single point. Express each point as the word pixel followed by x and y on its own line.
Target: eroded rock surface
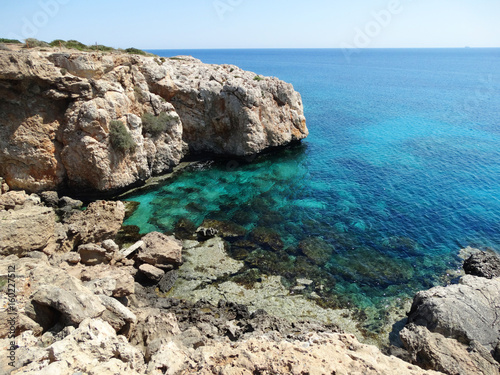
pixel 456 329
pixel 58 108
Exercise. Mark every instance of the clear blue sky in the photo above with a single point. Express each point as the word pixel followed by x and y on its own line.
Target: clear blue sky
pixel 193 24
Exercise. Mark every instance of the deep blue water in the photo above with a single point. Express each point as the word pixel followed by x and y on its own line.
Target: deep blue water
pixel 401 169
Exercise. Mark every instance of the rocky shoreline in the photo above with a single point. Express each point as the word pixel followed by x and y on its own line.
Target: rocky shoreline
pixel 84 303
pixel 80 294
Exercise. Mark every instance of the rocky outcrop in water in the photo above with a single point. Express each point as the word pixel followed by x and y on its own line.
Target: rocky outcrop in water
pixel 456 329
pixel 60 110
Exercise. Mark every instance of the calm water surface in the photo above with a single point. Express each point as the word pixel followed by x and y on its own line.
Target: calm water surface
pixel 401 170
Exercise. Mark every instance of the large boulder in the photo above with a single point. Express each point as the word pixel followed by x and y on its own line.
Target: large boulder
pixel 467 311
pixel 73 305
pixel 226 110
pixel 28 229
pixel 100 221
pixel 160 250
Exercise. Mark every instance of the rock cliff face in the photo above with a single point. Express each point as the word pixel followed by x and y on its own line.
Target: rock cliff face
pixel 57 109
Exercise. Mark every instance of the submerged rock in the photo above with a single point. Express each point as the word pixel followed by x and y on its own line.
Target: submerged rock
pixel 225 229
pixel 317 250
pixel 267 238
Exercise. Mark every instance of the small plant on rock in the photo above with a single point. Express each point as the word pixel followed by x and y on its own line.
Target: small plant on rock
pixel 156 124
pixel 120 137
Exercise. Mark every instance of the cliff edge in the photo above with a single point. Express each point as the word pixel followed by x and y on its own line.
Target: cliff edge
pixel 103 121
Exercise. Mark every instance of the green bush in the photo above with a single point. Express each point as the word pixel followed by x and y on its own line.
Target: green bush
pixel 32 43
pixel 10 41
pixel 100 47
pixel 120 137
pixel 258 78
pixel 57 43
pixel 135 51
pixel 155 124
pixel 75 44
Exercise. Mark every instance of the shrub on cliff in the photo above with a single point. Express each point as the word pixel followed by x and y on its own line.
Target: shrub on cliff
pixel 135 51
pixel 32 43
pixel 75 44
pixel 9 41
pixel 155 124
pixel 120 137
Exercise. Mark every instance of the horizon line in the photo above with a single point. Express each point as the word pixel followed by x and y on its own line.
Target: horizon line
pixel 313 48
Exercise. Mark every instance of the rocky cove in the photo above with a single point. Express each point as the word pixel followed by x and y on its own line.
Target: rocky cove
pixel 91 298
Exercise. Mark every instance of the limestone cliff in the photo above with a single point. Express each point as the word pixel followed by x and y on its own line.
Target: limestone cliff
pixel 57 108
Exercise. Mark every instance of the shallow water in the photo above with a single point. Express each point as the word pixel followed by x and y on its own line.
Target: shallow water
pixel 400 171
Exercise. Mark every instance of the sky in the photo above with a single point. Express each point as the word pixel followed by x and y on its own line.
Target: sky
pixel 194 24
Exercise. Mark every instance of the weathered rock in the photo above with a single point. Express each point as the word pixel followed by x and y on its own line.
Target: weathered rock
pixel 21 324
pixel 153 328
pixel 13 199
pixel 434 351
pixel 71 257
pixel 204 234
pixel 74 307
pixel 207 261
pixel 70 203
pixel 109 280
pixel 58 108
pixel 100 221
pixel 93 348
pixel 228 111
pixel 483 264
pixel 28 229
pixel 116 314
pixel 110 246
pixel 151 272
pixel 160 249
pixel 92 254
pixel 168 280
pixel 466 312
pixel 315 354
pixel 50 198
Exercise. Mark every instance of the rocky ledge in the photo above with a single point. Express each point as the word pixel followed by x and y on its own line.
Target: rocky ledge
pixel 104 121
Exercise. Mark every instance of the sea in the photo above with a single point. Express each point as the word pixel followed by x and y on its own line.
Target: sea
pixel 401 171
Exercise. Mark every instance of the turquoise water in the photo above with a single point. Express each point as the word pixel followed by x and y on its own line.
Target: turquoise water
pixel 400 171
